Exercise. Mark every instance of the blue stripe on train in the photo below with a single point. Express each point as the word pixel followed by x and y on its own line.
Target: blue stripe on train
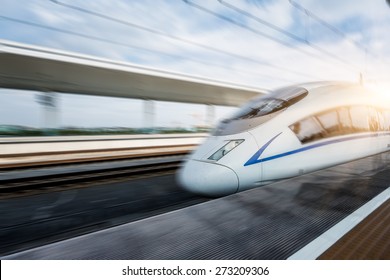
pixel 256 157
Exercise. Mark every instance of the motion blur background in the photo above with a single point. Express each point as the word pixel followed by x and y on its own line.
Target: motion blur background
pixel 261 43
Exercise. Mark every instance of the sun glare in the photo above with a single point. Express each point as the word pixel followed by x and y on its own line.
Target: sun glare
pixel 382 90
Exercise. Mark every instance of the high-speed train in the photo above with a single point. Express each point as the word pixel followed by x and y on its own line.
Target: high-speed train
pixel 288 132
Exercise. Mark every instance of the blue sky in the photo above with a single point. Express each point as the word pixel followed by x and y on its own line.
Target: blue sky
pixel 327 56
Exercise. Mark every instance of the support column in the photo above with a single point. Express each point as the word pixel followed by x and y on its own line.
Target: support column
pixel 49 102
pixel 361 80
pixel 149 115
pixel 210 115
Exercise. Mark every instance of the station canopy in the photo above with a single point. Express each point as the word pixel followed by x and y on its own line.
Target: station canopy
pixel 29 67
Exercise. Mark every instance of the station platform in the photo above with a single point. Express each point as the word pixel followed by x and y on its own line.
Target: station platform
pixel 298 218
pixel 24 152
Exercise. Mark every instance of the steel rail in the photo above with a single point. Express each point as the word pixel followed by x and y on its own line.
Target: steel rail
pixel 74 179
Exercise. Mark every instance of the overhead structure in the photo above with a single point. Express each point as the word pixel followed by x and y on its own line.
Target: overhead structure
pixel 35 68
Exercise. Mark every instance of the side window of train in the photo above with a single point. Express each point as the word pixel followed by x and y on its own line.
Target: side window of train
pixel 360 118
pixel 308 130
pixel 329 120
pixel 381 120
pixel 373 119
pixel 345 120
pixel 386 120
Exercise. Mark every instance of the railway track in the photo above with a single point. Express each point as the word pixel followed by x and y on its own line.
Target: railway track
pixel 27 181
pixel 45 159
pixel 55 195
pixel 36 220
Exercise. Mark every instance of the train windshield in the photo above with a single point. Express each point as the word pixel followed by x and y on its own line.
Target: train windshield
pixel 270 103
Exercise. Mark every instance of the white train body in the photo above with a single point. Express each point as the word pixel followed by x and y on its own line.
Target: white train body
pixel 289 132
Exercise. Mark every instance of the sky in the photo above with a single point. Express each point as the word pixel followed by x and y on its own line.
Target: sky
pixel 260 43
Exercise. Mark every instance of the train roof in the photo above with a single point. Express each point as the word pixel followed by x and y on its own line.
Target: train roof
pixel 314 85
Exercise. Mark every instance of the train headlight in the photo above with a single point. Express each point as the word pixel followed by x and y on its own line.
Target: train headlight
pixel 225 149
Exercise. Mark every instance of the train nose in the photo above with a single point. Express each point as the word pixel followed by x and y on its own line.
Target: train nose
pixel 207 178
